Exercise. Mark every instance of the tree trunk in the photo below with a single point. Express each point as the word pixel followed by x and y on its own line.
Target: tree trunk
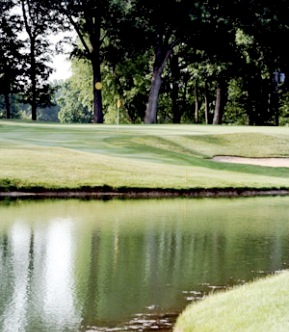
pixel 175 107
pixel 196 93
pixel 94 36
pixel 7 105
pixel 32 38
pixel 162 55
pixel 33 101
pixel 92 18
pixel 175 89
pixel 151 110
pixel 275 103
pixel 220 103
pixel 206 103
pixel 7 91
pixel 97 95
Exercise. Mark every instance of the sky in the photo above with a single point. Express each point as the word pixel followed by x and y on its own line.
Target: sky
pixel 61 62
pixel 62 68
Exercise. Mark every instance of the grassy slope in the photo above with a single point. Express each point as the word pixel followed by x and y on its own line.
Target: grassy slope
pixel 146 156
pixel 257 307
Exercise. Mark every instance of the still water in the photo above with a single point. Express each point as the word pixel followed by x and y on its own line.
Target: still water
pixel 76 265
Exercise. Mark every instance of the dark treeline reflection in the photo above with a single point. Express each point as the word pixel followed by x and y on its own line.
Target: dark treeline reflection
pixel 70 265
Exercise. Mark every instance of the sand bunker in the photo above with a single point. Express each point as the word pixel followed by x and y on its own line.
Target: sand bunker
pixel 270 162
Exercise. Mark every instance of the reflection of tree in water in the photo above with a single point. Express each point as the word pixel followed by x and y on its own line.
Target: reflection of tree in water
pixel 14 278
pixel 130 272
pixel 119 274
pixel 30 259
pixel 3 246
pixel 90 310
pixel 5 272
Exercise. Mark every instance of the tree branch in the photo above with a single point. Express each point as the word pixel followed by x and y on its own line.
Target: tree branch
pixel 80 35
pixel 27 27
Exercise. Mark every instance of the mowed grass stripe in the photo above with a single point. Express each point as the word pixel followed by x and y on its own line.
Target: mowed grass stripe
pixel 159 156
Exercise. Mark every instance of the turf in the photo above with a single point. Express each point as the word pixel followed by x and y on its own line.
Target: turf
pixel 258 306
pixel 56 156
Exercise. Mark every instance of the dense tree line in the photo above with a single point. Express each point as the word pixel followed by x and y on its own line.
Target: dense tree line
pixel 175 61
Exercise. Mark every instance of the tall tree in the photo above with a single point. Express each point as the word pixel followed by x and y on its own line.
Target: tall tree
pixel 221 99
pixel 266 25
pixel 168 24
pixel 10 55
pixel 160 27
pixel 118 32
pixel 38 24
pixel 89 18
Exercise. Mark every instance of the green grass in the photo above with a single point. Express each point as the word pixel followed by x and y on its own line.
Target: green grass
pixel 258 306
pixel 56 156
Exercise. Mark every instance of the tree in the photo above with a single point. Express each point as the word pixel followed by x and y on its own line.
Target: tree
pixel 173 51
pixel 80 81
pixel 71 108
pixel 74 96
pixel 38 23
pixel 90 19
pixel 266 24
pixel 127 81
pixel 124 80
pixel 166 25
pixel 10 56
pixel 159 25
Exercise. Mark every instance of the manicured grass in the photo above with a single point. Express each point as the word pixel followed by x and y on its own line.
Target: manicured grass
pixel 55 156
pixel 258 306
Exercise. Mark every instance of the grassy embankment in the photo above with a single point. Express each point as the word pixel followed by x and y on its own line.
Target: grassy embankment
pixel 257 307
pixel 54 156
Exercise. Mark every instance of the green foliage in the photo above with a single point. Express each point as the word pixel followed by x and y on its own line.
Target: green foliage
pixel 74 96
pixel 127 81
pixel 38 22
pixel 11 59
pixel 71 108
pixel 284 108
pixel 236 105
pixel 49 114
pixel 81 81
pixel 15 107
pixel 192 47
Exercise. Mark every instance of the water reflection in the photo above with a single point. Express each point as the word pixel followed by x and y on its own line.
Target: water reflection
pixel 58 278
pixel 37 278
pixel 91 265
pixel 17 277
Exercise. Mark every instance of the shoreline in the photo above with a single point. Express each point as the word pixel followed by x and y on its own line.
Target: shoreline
pixel 110 193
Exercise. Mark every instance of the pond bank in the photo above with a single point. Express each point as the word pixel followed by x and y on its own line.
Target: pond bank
pixel 107 192
pixel 258 306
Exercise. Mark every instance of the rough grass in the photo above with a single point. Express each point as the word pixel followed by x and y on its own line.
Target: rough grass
pixel 258 306
pixel 144 156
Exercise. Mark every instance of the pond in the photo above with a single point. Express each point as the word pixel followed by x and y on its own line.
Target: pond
pixel 126 265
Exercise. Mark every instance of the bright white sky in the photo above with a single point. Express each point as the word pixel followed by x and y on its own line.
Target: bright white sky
pixel 61 62
pixel 62 68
